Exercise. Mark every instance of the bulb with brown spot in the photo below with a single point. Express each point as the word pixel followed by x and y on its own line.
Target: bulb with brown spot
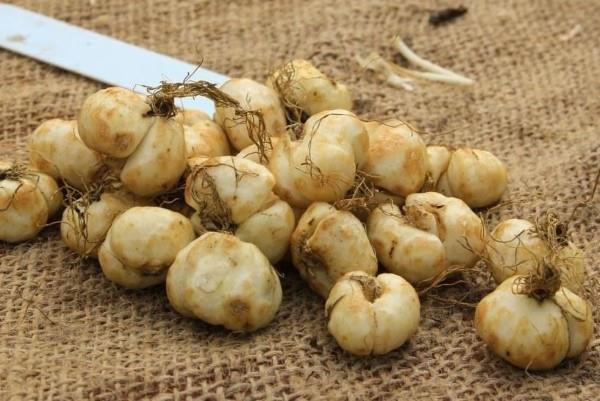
pixel 534 326
pixel 461 231
pixel 116 122
pixel 372 315
pixel 402 249
pixel 236 195
pixel 85 223
pixel 321 167
pixel 328 243
pixel 397 157
pixel 515 247
pixel 56 149
pixel 113 121
pixel 251 95
pixel 476 176
pixel 141 244
pixel 224 281
pixel 27 199
pixel 301 85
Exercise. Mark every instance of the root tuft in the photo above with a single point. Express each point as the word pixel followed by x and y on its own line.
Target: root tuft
pixel 541 284
pixel 360 199
pixel 369 285
pixel 162 104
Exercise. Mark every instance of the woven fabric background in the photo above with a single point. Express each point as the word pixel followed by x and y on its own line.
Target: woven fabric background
pixel 66 333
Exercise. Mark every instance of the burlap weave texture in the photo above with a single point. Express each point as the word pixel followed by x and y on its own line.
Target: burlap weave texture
pixel 67 333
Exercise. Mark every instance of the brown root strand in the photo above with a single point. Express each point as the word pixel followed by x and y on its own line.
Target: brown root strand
pixel 475 278
pixel 16 172
pixel 441 279
pixel 162 104
pixel 540 284
pixel 80 200
pixel 173 195
pixel 550 228
pixel 31 303
pixel 214 212
pixel 311 260
pixel 429 185
pixel 360 199
pixel 369 285
pixel 474 283
pixel 449 302
pixel 284 85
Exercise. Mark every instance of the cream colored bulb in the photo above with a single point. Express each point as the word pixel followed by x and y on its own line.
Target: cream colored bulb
pixel 158 162
pixel 461 231
pixel 397 157
pixel 113 121
pixel 301 84
pixel 27 199
pixel 224 281
pixel 372 315
pixel 321 167
pixel 328 243
pixel 476 176
pixel 23 210
pixel 414 254
pixel 236 195
pixel 83 227
pixel 251 95
pixel 56 149
pixel 533 334
pixel 514 248
pixel 141 244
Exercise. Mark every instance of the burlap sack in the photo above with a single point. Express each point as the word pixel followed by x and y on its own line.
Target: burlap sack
pixel 67 333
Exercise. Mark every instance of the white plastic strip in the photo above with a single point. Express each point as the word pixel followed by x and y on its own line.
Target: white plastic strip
pixel 94 55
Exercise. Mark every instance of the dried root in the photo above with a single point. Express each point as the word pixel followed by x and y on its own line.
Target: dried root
pixel 370 286
pixel 162 104
pixel 214 212
pixel 284 86
pixel 360 199
pixel 80 200
pixel 14 171
pixel 541 284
